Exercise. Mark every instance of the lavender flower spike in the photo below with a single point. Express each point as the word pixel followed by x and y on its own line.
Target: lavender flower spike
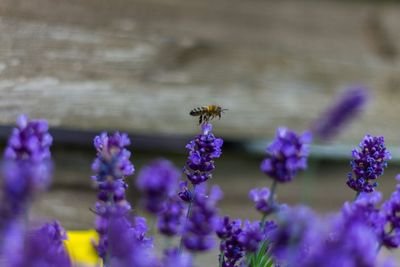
pixel 202 152
pixel 111 166
pixel 287 155
pixel 347 106
pixel 231 250
pixel 368 163
pixel 27 165
pixel 30 140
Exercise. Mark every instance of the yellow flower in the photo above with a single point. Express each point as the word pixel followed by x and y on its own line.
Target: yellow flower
pixel 80 247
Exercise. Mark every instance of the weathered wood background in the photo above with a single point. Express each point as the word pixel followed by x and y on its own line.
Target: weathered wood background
pixel 141 65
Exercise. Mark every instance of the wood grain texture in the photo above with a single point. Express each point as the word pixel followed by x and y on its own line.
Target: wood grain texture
pixel 141 65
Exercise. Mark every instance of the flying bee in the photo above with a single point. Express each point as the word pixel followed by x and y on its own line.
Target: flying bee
pixel 207 113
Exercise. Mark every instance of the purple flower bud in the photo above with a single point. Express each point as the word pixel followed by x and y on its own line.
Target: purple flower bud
pixel 202 152
pixel 368 164
pixel 261 198
pixel 287 155
pixel 185 194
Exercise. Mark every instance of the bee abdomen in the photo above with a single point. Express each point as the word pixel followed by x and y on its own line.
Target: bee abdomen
pixel 197 111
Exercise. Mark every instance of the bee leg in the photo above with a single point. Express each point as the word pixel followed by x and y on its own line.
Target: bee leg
pixel 200 119
pixel 219 116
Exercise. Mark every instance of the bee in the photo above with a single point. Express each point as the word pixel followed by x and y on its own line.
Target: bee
pixel 207 113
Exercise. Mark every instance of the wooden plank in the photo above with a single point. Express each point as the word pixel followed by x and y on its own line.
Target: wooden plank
pixel 141 65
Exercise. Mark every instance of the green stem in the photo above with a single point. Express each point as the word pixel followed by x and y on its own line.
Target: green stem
pixel 355 198
pixel 381 243
pixel 271 201
pixel 167 242
pixel 189 211
pixel 221 258
pixel 308 178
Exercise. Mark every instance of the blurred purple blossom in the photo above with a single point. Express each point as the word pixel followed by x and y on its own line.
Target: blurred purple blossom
pixel 170 219
pixel 347 106
pixel 44 247
pixel 287 155
pixel 368 163
pixel 26 170
pixel 390 212
pixel 200 227
pixel 296 232
pixel 30 140
pixel 172 258
pixel 157 181
pixel 345 243
pixel 27 166
pixel 128 244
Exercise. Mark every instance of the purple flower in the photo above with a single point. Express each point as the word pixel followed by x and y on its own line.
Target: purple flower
pixel 198 231
pixel 157 182
pixel 170 219
pixel 231 249
pixel 262 201
pixel 112 162
pixel 347 106
pixel 302 239
pixel 202 152
pixel 12 239
pixel 27 167
pixel 251 236
pixel 30 140
pixel 368 164
pixel 390 212
pixel 128 244
pixel 185 194
pixel 44 247
pixel 111 166
pixel 295 234
pixel 287 155
pixel 172 258
pixel 345 243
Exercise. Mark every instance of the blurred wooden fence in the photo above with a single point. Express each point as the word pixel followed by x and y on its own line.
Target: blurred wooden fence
pixel 141 65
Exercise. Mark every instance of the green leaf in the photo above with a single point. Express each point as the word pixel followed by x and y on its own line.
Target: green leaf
pixel 261 258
